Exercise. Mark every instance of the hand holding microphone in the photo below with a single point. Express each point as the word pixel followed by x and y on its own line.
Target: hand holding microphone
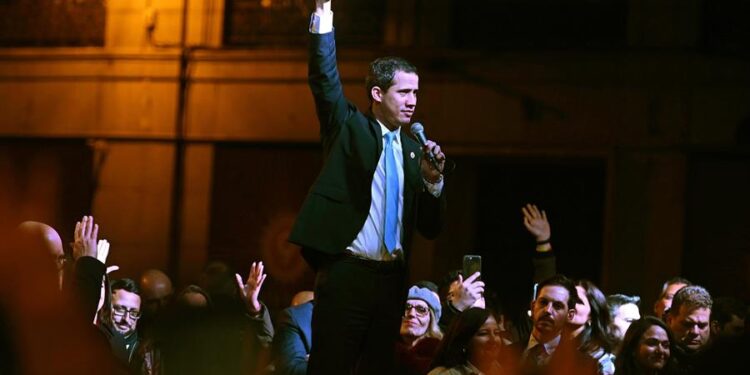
pixel 433 159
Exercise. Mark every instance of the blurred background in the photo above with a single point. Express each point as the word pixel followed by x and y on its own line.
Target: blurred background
pixel 186 127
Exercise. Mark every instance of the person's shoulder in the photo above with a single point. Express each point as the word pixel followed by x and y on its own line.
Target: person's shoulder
pixel 295 313
pixel 304 308
pixel 437 371
pixel 458 370
pixel 427 345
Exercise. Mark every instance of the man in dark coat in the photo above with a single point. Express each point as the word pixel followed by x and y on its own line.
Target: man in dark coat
pixel 377 185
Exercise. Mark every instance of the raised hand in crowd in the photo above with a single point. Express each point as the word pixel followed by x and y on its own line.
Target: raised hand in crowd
pixel 102 252
pixel 536 222
pixel 85 238
pixel 466 293
pixel 250 290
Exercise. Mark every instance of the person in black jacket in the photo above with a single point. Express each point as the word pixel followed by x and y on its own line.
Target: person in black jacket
pixel 355 227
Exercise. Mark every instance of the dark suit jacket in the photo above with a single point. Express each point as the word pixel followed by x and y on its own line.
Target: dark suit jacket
pixel 293 340
pixel 338 203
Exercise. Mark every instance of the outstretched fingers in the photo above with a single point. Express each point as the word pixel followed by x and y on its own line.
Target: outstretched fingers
pixel 240 283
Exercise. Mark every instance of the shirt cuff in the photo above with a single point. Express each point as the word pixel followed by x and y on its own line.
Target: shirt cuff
pixel 321 24
pixel 436 188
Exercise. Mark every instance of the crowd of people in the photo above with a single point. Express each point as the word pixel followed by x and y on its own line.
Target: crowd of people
pixel 376 188
pixel 219 326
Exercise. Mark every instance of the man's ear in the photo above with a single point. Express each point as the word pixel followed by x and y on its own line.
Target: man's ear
pixel 376 93
pixel 571 314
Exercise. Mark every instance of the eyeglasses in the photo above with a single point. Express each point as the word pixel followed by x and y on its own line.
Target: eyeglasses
pixel 121 311
pixel 421 310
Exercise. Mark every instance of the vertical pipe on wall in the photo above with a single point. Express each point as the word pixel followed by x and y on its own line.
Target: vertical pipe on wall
pixel 178 176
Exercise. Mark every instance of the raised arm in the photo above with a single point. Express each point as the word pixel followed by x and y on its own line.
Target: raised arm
pixel 323 75
pixel 258 312
pixel 88 271
pixel 535 221
pixel 250 290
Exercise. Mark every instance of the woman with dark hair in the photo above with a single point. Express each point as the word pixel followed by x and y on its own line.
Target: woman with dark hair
pixel 590 326
pixel 646 349
pixel 471 345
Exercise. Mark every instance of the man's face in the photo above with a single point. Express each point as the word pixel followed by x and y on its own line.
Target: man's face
pixel 665 301
pixel 653 349
pixel 624 317
pixel 416 319
pixel 550 311
pixel 732 329
pixel 397 105
pixel 691 326
pixel 126 309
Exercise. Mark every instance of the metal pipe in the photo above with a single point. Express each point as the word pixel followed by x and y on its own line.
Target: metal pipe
pixel 178 176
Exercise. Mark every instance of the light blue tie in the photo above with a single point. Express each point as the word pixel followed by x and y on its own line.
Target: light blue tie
pixel 391 194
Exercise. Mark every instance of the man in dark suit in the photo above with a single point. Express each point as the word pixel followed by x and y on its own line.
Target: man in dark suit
pixel 293 340
pixel 376 186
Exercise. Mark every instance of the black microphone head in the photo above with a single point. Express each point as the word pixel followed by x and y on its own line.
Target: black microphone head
pixel 417 128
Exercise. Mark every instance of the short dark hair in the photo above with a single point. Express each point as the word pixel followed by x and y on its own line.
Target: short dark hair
pixel 383 69
pixel 127 285
pixel 615 301
pixel 192 289
pixel 446 282
pixel 672 281
pixel 694 297
pixel 561 280
pixel 724 307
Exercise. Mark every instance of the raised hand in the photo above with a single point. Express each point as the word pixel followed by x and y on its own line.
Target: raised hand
pixel 102 250
pixel 536 222
pixel 85 236
pixel 465 293
pixel 250 290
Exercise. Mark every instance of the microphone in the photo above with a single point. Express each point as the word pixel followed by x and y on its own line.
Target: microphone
pixel 417 130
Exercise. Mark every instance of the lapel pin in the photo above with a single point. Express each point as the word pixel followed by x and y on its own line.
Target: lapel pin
pixel 412 155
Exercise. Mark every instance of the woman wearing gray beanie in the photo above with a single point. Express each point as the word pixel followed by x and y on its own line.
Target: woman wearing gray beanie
pixel 420 333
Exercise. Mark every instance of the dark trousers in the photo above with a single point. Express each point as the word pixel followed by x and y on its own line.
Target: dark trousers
pixel 358 308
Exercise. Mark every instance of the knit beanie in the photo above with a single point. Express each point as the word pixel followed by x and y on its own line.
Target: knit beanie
pixel 428 297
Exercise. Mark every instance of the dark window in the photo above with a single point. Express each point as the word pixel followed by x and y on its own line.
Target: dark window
pixel 31 23
pixel 47 180
pixel 717 240
pixel 533 24
pixel 572 193
pixel 725 27
pixel 281 23
pixel 256 195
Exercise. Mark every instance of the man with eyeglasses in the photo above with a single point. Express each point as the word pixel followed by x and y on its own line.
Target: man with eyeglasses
pixel 122 320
